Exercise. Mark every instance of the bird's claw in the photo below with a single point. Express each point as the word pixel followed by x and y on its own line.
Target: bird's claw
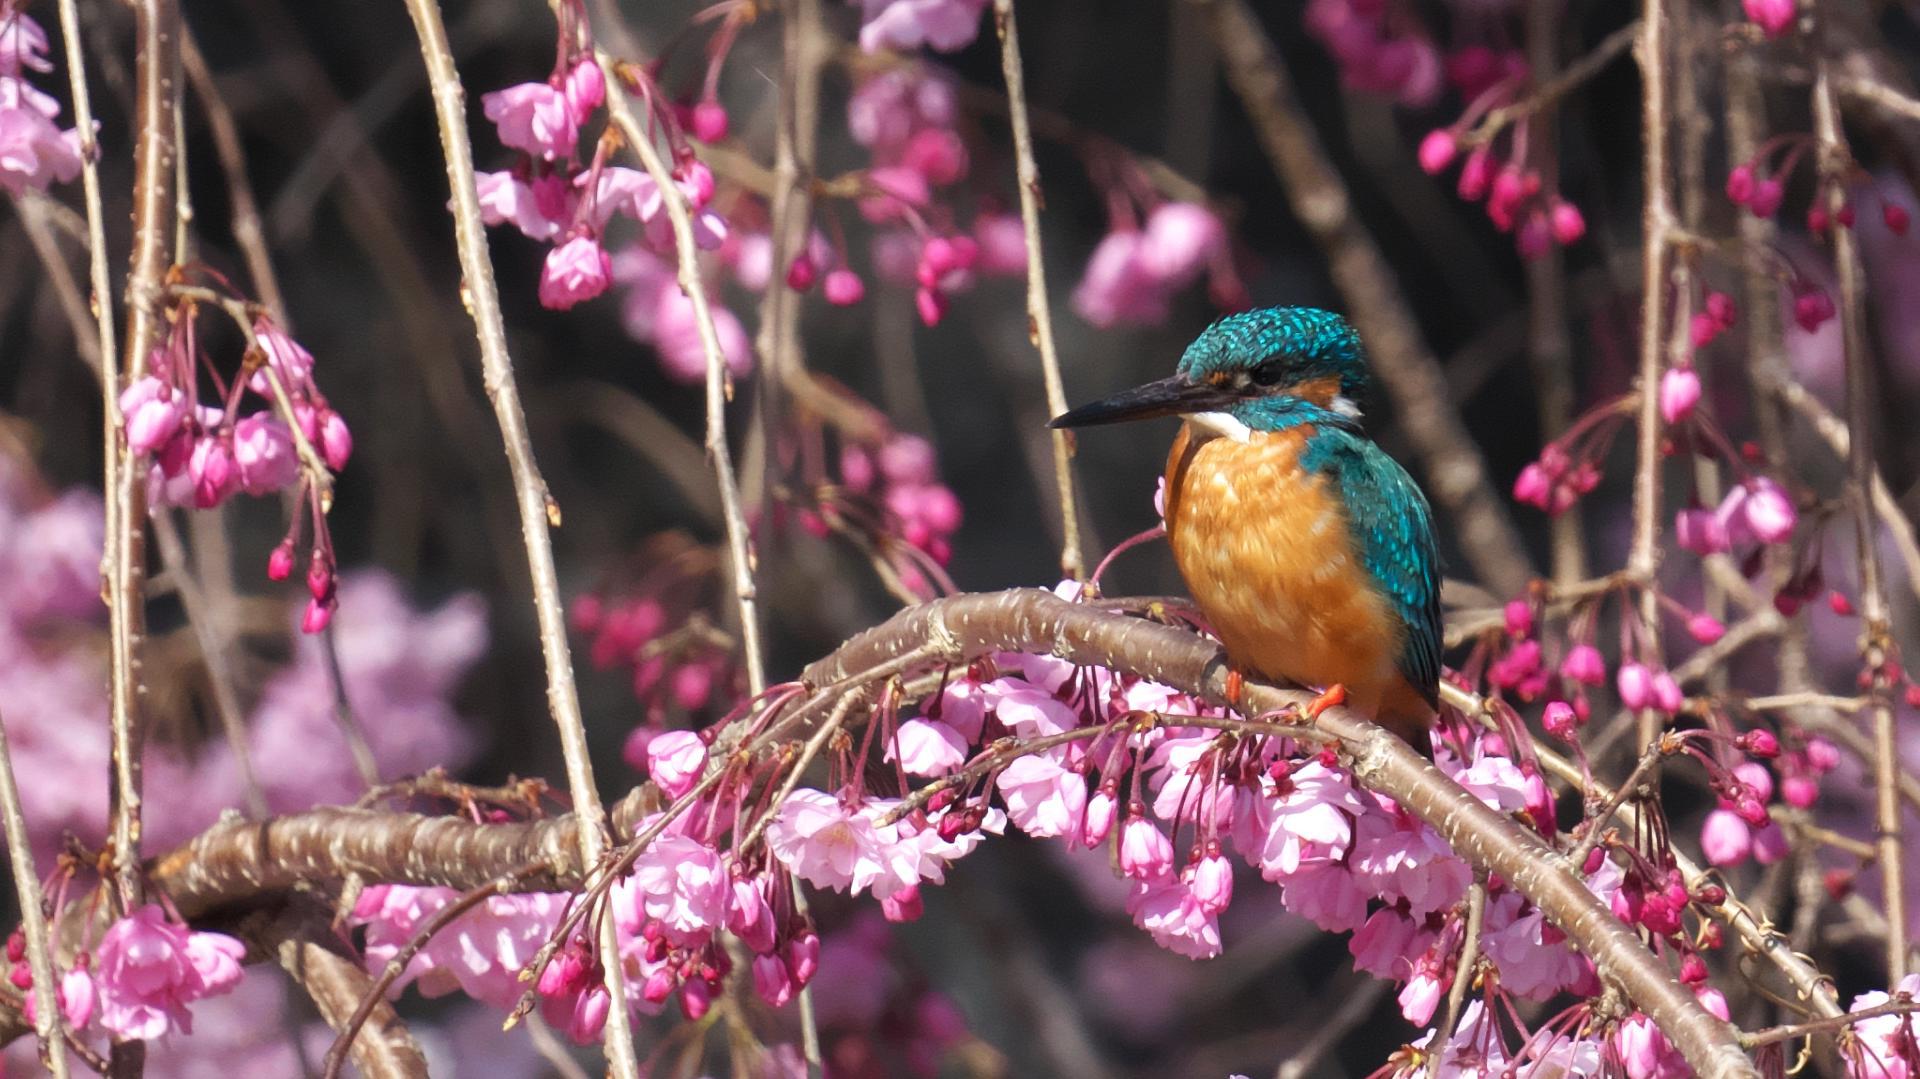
pixel 1333 695
pixel 1236 689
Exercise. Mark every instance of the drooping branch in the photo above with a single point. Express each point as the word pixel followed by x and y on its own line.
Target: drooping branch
pixel 538 511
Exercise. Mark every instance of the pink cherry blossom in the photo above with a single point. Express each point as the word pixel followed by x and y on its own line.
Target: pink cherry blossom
pixel 928 747
pixel 213 471
pixel 1145 851
pixel 1679 393
pixel 152 411
pixel 1117 286
pixel 675 760
pixel 1178 921
pixel 34 152
pixel 1885 1041
pixel 1773 16
pixel 901 25
pixel 826 844
pixel 678 882
pixel 1585 665
pixel 505 198
pixel 23 44
pixel 263 453
pixel 1043 799
pixel 148 969
pixel 1311 816
pixel 534 117
pixel 585 90
pixel 577 270
pixel 1179 239
pixel 1700 531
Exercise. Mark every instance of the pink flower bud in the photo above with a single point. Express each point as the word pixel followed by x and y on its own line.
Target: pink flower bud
pixel 1721 307
pixel 1705 628
pixel 1767 195
pixel 280 562
pixel 931 304
pixel 1679 393
pixel 1811 308
pixel 1896 217
pixel 1666 693
pixel 1822 756
pixel 1702 329
pixel 1635 684
pixel 151 411
pixel 1773 16
pixel 771 980
pixel 1145 851
pixel 1099 820
pixel 1476 175
pixel 803 957
pixel 1693 970
pixel 1584 665
pixel 696 996
pixel 213 471
pixel 576 271
pixel 844 288
pixel 1437 150
pixel 1700 531
pixel 1768 511
pixel 1560 721
pixel 1839 603
pixel 709 121
pixel 336 442
pixel 1568 223
pixel 692 685
pixel 696 181
pixel 801 272
pixel 1817 220
pixel 1800 792
pixel 1740 184
pixel 904 905
pixel 586 89
pixel 1533 487
pixel 16 946
pixel 317 616
pixel 1212 883
pixel 1518 614
pixel 675 760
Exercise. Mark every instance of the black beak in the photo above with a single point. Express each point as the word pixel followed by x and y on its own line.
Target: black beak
pixel 1176 395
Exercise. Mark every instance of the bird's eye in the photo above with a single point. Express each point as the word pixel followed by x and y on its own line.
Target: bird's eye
pixel 1267 374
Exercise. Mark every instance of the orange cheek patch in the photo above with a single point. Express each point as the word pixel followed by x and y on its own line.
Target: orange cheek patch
pixel 1321 391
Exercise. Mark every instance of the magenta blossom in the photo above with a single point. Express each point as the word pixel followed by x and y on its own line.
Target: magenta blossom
pixel 152 411
pixel 675 760
pixel 534 117
pixel 577 270
pixel 1679 393
pixel 263 453
pixel 1773 16
pixel 941 25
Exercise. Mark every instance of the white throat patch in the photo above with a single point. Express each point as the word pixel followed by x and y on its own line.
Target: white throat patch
pixel 1222 424
pixel 1346 406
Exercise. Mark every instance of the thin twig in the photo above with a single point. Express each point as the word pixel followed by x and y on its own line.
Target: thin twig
pixel 1875 617
pixel 247 230
pixel 48 1022
pixel 739 543
pixel 538 511
pixel 1463 972
pixel 1039 308
pixel 1656 226
pixel 1833 430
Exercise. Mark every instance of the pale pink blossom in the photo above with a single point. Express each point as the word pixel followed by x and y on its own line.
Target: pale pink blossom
pixel 1885 1041
pixel 901 25
pixel 336 441
pixel 1310 815
pixel 1145 851
pixel 77 996
pixel 263 453
pixel 825 843
pixel 928 747
pixel 585 90
pixel 505 198
pixel 1043 799
pixel 1118 287
pixel 285 357
pixel 1679 393
pixel 1388 943
pixel 34 151
pixel 1584 665
pixel 1325 892
pixel 1178 921
pixel 23 44
pixel 1179 239
pixel 577 270
pixel 213 471
pixel 535 117
pixel 1400 856
pixel 675 760
pixel 152 411
pixel 678 882
pixel 1700 531
pixel 148 969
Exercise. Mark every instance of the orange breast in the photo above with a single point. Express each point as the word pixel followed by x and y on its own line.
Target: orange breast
pixel 1267 554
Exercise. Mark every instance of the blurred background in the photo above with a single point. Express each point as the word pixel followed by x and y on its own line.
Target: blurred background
pixel 1028 944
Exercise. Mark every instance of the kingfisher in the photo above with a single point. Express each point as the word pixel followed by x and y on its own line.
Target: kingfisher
pixel 1306 547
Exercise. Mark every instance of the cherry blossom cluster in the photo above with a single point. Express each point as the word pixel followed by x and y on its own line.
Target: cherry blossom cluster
pixel 139 979
pixel 1139 265
pixel 1381 48
pixel 901 25
pixel 198 455
pixel 1496 167
pixel 550 194
pixel 655 624
pixel 34 151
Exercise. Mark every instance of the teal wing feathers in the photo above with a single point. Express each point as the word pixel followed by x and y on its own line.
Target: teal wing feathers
pixel 1392 527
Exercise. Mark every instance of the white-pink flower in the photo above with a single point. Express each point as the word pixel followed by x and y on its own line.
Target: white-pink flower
pixel 23 44
pixel 1881 1038
pixel 504 197
pixel 1043 799
pixel 1311 817
pixel 34 151
pixel 1179 239
pixel 152 411
pixel 1178 921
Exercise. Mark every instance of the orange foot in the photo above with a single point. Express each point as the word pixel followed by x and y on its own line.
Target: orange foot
pixel 1334 694
pixel 1236 689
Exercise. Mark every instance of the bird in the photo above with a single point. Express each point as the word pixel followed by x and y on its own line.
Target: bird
pixel 1306 547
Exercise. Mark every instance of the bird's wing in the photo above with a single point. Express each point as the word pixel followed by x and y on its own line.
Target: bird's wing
pixel 1392 526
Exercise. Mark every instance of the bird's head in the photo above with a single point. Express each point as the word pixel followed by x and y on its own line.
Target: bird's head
pixel 1256 371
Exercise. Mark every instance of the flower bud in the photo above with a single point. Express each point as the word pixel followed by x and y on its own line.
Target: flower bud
pixel 1437 150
